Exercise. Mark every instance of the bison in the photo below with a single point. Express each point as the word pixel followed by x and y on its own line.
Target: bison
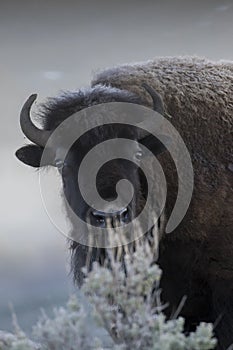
pixel 197 258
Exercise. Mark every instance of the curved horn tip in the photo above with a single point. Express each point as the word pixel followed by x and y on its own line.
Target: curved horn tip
pixel 34 134
pixel 28 103
pixel 149 89
pixel 32 98
pixel 145 85
pixel 156 97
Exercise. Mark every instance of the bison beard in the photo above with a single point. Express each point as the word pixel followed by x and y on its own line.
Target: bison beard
pixel 197 258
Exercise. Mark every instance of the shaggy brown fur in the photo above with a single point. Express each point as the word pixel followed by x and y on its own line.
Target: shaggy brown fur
pixel 197 259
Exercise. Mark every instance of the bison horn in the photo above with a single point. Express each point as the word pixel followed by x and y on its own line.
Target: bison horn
pixel 157 100
pixel 34 134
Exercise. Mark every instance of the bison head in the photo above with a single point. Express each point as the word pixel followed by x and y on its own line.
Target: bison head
pixel 52 115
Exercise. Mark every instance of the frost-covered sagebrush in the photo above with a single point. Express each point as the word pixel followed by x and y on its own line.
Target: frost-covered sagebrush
pixel 123 312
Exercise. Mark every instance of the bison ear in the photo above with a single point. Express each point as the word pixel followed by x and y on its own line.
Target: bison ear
pixel 30 155
pixel 154 144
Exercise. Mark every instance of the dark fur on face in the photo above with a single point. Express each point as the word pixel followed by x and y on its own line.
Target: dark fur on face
pixel 51 115
pixel 107 178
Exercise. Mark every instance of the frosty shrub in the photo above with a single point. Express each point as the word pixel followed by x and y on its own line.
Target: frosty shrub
pixel 127 303
pixel 117 308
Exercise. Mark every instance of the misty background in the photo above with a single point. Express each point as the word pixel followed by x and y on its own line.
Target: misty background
pixel 49 46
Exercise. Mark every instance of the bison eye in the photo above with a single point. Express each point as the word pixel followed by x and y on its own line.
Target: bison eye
pixel 59 164
pixel 138 155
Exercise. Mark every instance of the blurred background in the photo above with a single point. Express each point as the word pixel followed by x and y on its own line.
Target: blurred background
pixel 49 46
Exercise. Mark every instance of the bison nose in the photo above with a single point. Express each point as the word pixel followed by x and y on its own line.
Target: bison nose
pixel 113 219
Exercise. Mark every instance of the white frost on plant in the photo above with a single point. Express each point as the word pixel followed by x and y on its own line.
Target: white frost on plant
pixel 115 309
